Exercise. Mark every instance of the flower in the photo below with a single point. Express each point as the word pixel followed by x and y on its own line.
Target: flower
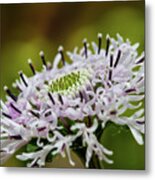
pixel 57 106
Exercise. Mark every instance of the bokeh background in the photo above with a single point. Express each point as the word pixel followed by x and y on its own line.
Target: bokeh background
pixel 28 28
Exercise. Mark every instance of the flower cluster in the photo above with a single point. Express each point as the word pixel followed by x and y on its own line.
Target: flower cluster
pixel 58 108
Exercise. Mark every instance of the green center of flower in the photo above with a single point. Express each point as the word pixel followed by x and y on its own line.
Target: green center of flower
pixel 70 82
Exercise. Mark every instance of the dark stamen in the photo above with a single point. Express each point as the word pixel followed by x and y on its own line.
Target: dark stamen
pixel 117 58
pixel 31 66
pixel 140 122
pixel 17 137
pixel 15 108
pixel 99 42
pixel 111 64
pixel 51 98
pixel 110 74
pixel 48 114
pixel 85 48
pixel 114 112
pixel 6 115
pixel 10 94
pixel 81 95
pixel 62 55
pixel 43 58
pixel 111 60
pixel 107 46
pixel 60 98
pixel 130 90
pixel 23 79
pixel 41 128
pixel 108 84
pixel 35 114
pixel 141 78
pixel 141 60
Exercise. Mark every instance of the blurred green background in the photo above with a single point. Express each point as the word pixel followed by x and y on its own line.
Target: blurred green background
pixel 28 28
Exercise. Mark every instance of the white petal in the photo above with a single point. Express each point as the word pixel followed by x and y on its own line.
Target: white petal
pixel 137 135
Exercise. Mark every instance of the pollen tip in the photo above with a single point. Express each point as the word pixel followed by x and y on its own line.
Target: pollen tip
pixel 29 61
pixel 60 49
pixel 14 85
pixel 128 40
pixel 99 35
pixel 84 40
pixel 118 35
pixel 107 36
pixel 20 72
pixel 41 53
pixel 5 88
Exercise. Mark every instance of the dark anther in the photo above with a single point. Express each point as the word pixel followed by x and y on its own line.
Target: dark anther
pixel 141 78
pixel 109 85
pixel 85 48
pixel 35 114
pixel 140 122
pixel 15 108
pixel 99 42
pixel 31 66
pixel 43 58
pixel 111 60
pixel 60 98
pixel 110 74
pixel 51 98
pixel 111 64
pixel 130 90
pixel 6 115
pixel 62 55
pixel 81 95
pixel 41 128
pixel 95 146
pixel 107 45
pixel 114 112
pixel 141 60
pixel 10 94
pixel 17 137
pixel 48 113
pixel 23 79
pixel 117 58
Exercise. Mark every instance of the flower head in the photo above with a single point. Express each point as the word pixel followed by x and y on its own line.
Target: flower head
pixel 57 106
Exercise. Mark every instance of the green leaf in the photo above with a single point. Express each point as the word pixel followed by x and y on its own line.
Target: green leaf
pixel 31 147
